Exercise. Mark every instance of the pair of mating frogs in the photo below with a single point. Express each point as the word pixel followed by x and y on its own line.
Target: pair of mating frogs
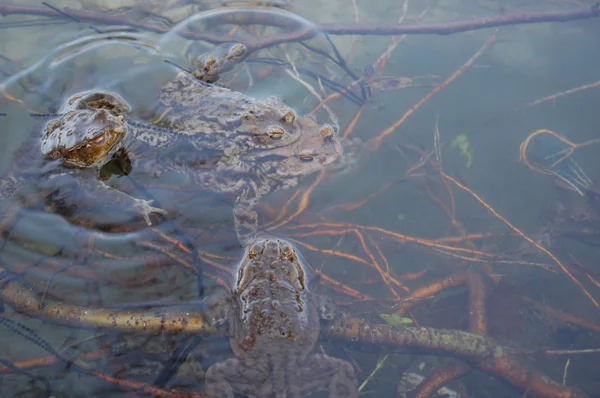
pixel 222 140
pixel 274 321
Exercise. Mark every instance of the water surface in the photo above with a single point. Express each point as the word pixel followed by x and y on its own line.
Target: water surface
pixel 45 60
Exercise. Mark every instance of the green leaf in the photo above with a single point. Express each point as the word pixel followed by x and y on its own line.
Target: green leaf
pixel 462 143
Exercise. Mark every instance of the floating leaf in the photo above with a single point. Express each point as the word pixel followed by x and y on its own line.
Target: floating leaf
pixel 462 143
pixel 396 320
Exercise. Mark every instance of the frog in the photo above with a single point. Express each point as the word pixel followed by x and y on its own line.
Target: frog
pixel 79 143
pixel 209 116
pixel 210 66
pixel 569 211
pixel 221 139
pixel 261 146
pixel 273 322
pixel 583 210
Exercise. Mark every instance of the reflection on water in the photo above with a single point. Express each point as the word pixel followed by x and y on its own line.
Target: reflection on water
pixel 387 218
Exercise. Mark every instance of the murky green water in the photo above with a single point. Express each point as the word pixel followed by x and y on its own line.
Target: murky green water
pixel 46 58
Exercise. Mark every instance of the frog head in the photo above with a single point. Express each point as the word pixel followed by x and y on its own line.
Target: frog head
pixel 83 138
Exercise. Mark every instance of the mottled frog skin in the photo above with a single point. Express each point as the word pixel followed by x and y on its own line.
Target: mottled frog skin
pixel 274 323
pixel 222 140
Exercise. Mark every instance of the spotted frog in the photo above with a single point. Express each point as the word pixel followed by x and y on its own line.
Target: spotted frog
pixel 273 322
pixel 222 140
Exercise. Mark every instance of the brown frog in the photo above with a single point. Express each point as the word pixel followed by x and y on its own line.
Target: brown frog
pixel 274 323
pixel 262 146
pixel 223 140
pixel 79 143
pixel 210 116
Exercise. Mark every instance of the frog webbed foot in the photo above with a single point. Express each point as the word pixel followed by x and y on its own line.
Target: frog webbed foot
pixel 145 209
pixel 326 307
pixel 216 310
pixel 117 199
pixel 219 377
pixel 334 374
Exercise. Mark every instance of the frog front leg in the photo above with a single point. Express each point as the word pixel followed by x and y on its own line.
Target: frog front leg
pixel 324 372
pixel 245 221
pixel 117 199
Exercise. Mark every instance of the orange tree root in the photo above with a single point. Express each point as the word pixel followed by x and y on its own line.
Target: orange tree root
pixel 439 377
pixel 480 351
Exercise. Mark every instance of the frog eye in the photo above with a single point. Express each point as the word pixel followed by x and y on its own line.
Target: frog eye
pixel 306 156
pixel 276 133
pixel 238 50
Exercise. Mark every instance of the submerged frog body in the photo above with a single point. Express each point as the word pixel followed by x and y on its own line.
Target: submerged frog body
pixel 222 140
pixel 581 210
pixel 274 323
pixel 222 58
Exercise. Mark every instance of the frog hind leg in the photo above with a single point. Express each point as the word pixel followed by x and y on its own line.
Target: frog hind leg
pixel 117 199
pixel 334 374
pixel 223 379
pixel 245 220
pixel 217 380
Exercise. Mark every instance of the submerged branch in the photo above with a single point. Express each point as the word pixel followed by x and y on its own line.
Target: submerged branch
pixel 479 351
pixel 302 29
pixel 24 301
